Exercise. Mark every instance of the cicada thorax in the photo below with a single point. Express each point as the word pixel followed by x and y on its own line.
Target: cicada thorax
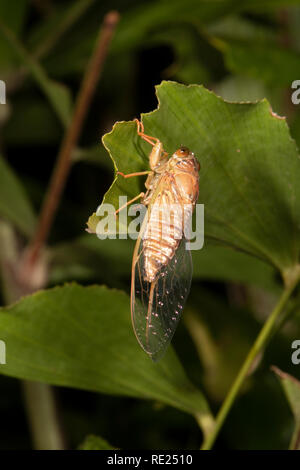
pixel 172 194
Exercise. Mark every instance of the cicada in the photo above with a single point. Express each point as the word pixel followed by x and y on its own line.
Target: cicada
pixel 162 266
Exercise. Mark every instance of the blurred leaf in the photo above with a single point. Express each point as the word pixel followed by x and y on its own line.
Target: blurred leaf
pixel 95 443
pixel 42 126
pixel 266 4
pixel 82 337
pixel 225 264
pixel 222 334
pixel 58 95
pixel 293 15
pixel 250 168
pixel 84 258
pixel 239 88
pixel 238 27
pixel 291 387
pixel 95 155
pixel 46 35
pixel 136 29
pixel 189 65
pixel 243 88
pixel 14 204
pixel 281 68
pixel 14 17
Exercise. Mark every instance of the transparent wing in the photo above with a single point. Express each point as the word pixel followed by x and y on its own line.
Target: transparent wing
pixel 156 307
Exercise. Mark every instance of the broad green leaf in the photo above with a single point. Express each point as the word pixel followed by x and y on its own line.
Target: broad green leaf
pixel 58 95
pixel 291 387
pixel 92 442
pixel 249 174
pixel 82 337
pixel 14 204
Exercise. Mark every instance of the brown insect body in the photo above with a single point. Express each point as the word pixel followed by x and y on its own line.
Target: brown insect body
pixel 161 265
pixel 175 183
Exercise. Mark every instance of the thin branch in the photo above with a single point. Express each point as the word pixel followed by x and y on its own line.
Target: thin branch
pixel 63 164
pixel 257 347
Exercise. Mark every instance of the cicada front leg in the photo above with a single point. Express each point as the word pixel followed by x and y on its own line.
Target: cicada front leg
pixel 157 154
pixel 139 196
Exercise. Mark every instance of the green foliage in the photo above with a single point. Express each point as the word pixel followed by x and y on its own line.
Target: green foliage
pixel 260 196
pixel 14 204
pixel 82 337
pixel 95 443
pixel 291 388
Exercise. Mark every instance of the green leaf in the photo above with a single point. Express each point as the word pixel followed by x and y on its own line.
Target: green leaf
pixel 92 442
pixel 249 174
pixel 291 387
pixel 58 95
pixel 82 337
pixel 14 204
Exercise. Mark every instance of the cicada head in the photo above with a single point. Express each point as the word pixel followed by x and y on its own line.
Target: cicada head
pixel 183 157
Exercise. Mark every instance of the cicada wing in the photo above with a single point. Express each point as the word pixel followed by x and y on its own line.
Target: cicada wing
pixel 156 307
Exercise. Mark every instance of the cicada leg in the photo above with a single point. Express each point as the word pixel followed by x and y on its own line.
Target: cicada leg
pixel 139 173
pixel 157 153
pixel 129 202
pixel 140 130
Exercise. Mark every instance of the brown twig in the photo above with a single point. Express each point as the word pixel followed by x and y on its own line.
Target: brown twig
pixel 63 164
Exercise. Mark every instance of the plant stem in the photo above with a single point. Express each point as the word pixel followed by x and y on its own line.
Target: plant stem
pixel 43 416
pixel 257 347
pixel 63 164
